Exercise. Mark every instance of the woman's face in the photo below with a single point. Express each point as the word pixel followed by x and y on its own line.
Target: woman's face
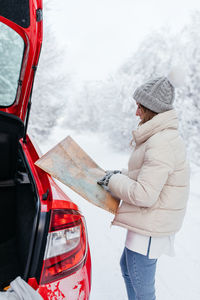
pixel 139 111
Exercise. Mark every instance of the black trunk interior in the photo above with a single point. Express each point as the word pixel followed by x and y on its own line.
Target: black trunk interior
pixel 17 202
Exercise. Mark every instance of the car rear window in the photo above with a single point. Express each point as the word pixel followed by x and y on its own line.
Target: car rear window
pixel 11 54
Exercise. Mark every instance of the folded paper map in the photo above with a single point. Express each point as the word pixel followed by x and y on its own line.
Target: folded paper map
pixel 71 165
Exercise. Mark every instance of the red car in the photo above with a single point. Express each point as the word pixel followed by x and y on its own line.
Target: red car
pixel 43 235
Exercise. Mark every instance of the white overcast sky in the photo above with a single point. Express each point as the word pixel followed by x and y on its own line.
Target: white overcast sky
pixel 100 34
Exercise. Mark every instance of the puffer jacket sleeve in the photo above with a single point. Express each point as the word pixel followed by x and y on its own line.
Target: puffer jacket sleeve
pixel 144 192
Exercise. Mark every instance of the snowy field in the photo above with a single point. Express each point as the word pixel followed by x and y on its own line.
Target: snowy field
pixel 178 278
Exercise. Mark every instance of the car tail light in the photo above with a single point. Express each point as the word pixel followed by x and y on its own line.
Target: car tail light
pixel 66 245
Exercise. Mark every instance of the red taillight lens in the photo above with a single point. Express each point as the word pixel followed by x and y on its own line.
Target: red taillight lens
pixel 66 245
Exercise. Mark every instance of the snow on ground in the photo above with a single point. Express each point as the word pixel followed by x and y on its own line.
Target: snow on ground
pixel 177 278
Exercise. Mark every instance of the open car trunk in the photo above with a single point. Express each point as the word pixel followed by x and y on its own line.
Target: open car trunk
pixel 19 203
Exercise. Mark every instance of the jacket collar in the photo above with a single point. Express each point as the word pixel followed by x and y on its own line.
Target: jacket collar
pixel 162 121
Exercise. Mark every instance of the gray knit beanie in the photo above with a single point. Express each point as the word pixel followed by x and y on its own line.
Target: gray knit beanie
pixel 158 94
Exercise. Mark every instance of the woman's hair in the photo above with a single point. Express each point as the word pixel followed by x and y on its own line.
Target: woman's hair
pixel 147 114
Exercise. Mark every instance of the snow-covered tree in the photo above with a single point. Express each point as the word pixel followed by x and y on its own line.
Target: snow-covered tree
pixel 52 82
pixel 108 105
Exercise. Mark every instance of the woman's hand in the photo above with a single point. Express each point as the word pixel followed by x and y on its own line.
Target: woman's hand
pixel 105 180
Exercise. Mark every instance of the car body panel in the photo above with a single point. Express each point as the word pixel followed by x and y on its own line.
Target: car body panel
pixel 75 287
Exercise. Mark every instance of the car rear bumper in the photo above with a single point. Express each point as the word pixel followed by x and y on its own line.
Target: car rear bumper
pixel 74 287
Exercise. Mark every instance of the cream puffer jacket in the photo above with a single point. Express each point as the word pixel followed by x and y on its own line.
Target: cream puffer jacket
pixel 155 188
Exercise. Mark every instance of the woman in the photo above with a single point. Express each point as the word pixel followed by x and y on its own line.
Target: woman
pixel 154 190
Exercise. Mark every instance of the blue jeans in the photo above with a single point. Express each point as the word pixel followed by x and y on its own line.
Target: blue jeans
pixel 139 275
